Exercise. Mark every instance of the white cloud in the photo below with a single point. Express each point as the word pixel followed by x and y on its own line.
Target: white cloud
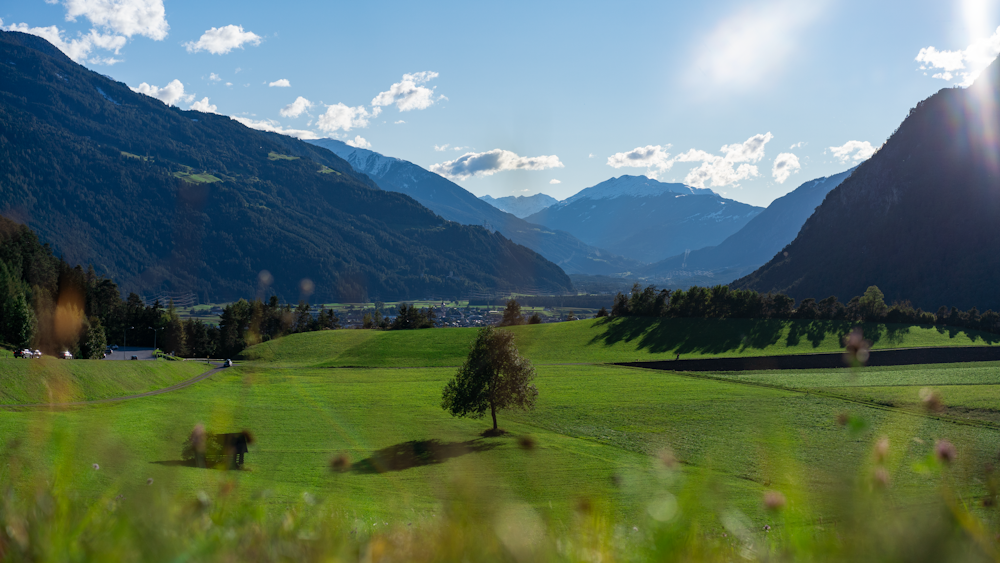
pixel 170 94
pixel 359 142
pixel 491 162
pixel 654 158
pixel 723 170
pixel 798 145
pixel 554 181
pixel 459 148
pixel 221 40
pixel 123 17
pixel 77 49
pixel 203 106
pixel 282 83
pixel 275 127
pixel 785 165
pixel 591 155
pixel 400 122
pixel 214 77
pixel 296 108
pixel 862 150
pixel 750 46
pixel 441 148
pixel 714 169
pixel 344 117
pixel 407 94
pixel 966 64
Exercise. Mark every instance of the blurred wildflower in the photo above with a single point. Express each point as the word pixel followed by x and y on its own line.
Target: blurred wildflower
pixel 526 442
pixel 881 476
pixel 856 348
pixel 944 451
pixel 340 462
pixel 96 467
pixel 668 459
pixel 767 528
pixel 149 481
pixel 931 400
pixel 203 499
pixel 774 500
pixel 881 450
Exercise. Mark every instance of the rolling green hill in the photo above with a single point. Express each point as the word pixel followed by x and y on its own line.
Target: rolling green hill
pixel 51 380
pixel 165 200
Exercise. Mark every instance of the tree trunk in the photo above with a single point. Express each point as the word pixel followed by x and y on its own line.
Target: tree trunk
pixel 493 411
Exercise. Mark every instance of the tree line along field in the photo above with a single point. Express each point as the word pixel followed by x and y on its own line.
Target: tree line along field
pixel 596 443
pixel 605 340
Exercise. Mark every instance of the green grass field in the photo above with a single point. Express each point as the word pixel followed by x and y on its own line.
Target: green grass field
pixel 600 341
pixel 597 434
pixel 53 380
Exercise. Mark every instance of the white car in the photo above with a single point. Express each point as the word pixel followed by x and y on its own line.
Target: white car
pixel 66 355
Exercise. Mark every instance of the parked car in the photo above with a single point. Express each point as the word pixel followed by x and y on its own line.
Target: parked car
pixel 134 358
pixel 66 355
pixel 227 364
pixel 36 354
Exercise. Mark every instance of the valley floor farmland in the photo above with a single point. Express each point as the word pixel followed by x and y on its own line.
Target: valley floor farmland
pixel 597 431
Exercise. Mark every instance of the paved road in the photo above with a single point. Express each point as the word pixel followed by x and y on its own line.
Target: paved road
pixel 173 387
pixel 902 357
pixel 127 353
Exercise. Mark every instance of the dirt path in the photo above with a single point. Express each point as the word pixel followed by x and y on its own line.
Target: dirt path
pixel 173 387
pixel 899 357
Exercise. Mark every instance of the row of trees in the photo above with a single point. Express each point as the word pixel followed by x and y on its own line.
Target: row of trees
pixel 721 302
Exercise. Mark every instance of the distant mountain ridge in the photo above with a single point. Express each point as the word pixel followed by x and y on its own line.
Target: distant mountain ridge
pixel 647 220
pixel 455 203
pixel 165 200
pixel 918 219
pixel 757 242
pixel 520 206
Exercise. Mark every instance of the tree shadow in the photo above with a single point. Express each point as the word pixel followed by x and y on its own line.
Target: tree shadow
pixel 418 453
pixel 704 336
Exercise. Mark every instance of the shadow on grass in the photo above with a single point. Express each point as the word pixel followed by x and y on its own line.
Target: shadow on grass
pixel 418 453
pixel 719 336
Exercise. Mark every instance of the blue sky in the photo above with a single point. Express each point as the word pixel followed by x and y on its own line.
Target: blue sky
pixel 747 98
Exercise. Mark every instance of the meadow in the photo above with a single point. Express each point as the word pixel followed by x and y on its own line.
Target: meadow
pixel 614 463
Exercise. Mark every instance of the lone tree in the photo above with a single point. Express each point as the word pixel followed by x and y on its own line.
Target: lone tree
pixel 494 376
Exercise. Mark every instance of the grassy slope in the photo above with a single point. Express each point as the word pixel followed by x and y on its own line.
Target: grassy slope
pixel 599 341
pixel 595 428
pixel 49 379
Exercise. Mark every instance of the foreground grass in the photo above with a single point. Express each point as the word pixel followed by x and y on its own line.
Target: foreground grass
pixel 52 380
pixel 600 341
pixel 423 485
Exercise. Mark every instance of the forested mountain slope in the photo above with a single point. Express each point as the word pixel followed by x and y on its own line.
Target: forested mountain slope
pixel 455 203
pixel 757 242
pixel 167 200
pixel 918 219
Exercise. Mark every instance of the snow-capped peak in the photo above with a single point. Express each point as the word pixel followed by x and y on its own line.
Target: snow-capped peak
pixel 634 186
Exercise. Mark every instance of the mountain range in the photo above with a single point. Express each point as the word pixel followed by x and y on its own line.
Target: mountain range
pixel 455 203
pixel 161 199
pixel 918 219
pixel 647 220
pixel 520 206
pixel 756 243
